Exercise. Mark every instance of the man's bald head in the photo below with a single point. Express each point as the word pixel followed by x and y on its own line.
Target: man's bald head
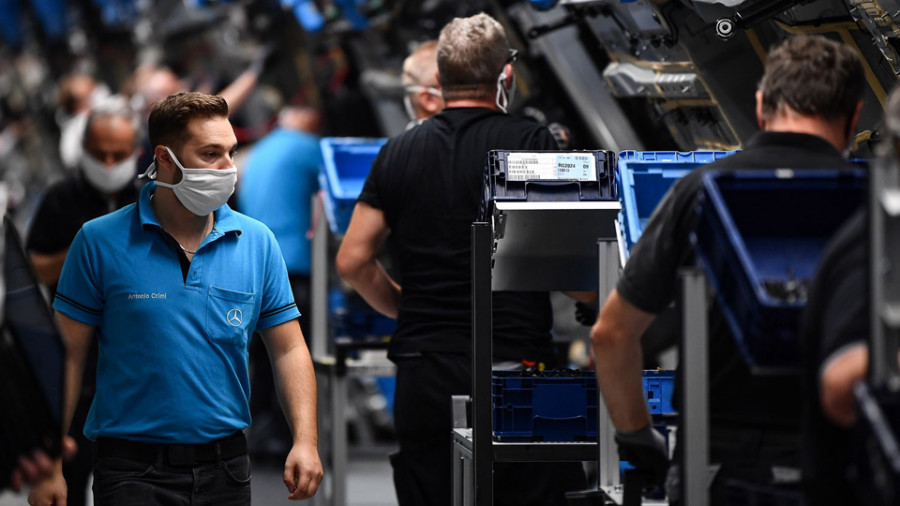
pixel 420 81
pixel 420 67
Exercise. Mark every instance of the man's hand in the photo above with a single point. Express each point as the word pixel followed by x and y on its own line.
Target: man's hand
pixel 302 471
pixel 646 450
pixel 38 466
pixel 52 491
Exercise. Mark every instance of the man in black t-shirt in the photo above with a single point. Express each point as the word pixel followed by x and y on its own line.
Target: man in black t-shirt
pixel 835 331
pixel 834 344
pixel 105 181
pixel 807 106
pixel 424 190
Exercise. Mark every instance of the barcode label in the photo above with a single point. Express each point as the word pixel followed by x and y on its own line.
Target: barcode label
pixel 571 166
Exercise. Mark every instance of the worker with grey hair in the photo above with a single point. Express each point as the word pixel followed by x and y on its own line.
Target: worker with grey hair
pixel 422 97
pixel 429 214
pixel 105 180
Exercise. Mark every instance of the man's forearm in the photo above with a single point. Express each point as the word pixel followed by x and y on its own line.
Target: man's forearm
pixel 78 337
pixel 377 288
pixel 620 379
pixel 616 343
pixel 296 387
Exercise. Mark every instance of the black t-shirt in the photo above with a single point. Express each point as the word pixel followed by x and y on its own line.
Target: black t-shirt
pixel 67 206
pixel 650 280
pixel 429 181
pixel 836 316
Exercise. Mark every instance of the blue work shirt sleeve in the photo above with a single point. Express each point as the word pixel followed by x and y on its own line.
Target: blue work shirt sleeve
pixel 277 299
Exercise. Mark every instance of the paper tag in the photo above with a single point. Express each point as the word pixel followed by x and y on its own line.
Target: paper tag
pixel 568 166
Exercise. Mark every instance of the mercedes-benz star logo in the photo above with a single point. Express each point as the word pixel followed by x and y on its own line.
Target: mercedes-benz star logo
pixel 235 317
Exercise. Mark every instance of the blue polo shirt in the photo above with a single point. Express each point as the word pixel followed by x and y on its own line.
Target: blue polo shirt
pixel 278 180
pixel 173 351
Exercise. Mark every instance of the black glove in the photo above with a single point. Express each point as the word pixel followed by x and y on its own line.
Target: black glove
pixel 646 450
pixel 586 314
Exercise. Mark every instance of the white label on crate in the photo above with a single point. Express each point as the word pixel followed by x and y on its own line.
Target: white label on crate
pixel 525 166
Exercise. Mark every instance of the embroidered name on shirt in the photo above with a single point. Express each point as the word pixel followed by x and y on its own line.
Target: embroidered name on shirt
pixel 154 295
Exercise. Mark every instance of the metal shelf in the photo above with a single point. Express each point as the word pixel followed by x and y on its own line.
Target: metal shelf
pixel 334 365
pixel 474 450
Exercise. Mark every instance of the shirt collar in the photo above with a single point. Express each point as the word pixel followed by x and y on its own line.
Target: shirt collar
pixel 792 140
pixel 225 219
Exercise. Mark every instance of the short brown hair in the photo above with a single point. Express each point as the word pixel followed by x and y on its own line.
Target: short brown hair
pixel 470 55
pixel 813 76
pixel 170 116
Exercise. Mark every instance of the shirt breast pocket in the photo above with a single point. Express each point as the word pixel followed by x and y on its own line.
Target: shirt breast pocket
pixel 229 315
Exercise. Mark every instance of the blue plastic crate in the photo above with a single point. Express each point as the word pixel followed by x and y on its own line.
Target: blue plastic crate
pixel 658 389
pixel 766 226
pixel 571 176
pixel 350 316
pixel 645 177
pixel 562 408
pixel 347 162
pixel 545 408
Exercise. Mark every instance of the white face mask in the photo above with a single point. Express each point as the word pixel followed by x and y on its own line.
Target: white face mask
pixel 407 100
pixel 201 191
pixel 108 179
pixel 504 96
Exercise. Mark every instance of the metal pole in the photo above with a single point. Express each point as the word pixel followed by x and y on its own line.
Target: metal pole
pixel 319 283
pixel 482 332
pixel 338 437
pixel 607 452
pixel 694 369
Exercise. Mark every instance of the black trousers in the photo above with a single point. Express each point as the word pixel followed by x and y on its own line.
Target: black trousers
pixel 77 471
pixel 747 457
pixel 423 422
pixel 118 481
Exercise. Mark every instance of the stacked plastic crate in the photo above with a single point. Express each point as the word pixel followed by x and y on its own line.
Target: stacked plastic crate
pixel 347 162
pixel 759 237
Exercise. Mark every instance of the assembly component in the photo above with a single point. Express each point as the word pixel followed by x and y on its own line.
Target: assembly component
pixel 725 28
pixel 605 120
pixel 880 25
pixel 630 80
pixel 733 4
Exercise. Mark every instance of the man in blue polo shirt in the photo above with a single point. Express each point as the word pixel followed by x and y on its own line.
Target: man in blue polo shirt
pixel 174 287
